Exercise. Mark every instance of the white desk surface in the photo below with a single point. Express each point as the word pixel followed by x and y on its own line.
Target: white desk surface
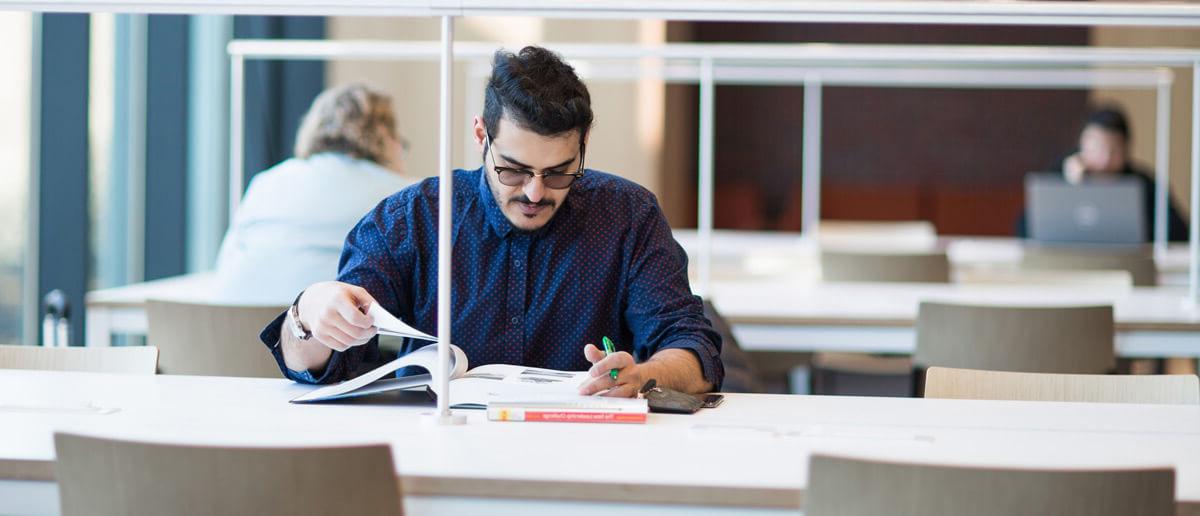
pixel 186 287
pixel 896 304
pixel 738 254
pixel 752 451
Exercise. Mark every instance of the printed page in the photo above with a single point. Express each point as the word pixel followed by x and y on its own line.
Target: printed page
pixel 425 358
pixel 388 324
pixel 507 382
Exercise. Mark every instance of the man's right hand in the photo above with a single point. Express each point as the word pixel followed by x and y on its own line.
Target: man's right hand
pixel 1073 169
pixel 335 314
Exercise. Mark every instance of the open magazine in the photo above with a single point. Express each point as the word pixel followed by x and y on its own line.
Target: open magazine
pixel 468 388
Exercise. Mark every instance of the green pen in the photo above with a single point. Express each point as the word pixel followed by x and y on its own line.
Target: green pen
pixel 609 349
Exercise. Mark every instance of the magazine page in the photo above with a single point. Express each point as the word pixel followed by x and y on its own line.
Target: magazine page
pixel 494 382
pixel 373 381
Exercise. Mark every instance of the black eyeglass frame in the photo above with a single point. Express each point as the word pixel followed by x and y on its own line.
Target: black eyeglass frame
pixel 527 175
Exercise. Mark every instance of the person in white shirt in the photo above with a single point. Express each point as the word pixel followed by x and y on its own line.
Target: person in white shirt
pixel 289 229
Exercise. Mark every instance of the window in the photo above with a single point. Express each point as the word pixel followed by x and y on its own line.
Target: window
pixel 16 91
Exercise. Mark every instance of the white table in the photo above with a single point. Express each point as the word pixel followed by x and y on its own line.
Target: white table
pixel 748 456
pixel 769 315
pixel 123 309
pixel 780 254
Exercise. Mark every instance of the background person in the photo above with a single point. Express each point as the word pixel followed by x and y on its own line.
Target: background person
pixel 289 229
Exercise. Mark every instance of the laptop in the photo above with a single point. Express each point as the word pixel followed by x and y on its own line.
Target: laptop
pixel 1107 211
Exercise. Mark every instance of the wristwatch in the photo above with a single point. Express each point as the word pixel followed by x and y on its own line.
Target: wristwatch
pixel 298 329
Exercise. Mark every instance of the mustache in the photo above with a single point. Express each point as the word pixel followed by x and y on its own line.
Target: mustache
pixel 524 199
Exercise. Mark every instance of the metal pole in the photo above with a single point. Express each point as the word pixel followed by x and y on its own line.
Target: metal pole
pixel 1162 164
pixel 237 108
pixel 445 220
pixel 705 224
pixel 1194 238
pixel 811 174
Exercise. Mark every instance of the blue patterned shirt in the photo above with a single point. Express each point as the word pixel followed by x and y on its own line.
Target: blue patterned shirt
pixel 605 264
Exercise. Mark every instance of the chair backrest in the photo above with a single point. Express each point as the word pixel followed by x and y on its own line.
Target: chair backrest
pixel 130 359
pixel 213 340
pixel 931 267
pixel 850 487
pixel 1091 278
pixel 856 233
pixel 103 477
pixel 1043 339
pixel 973 384
pixel 1140 264
pixel 740 373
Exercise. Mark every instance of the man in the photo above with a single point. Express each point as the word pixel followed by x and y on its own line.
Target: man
pixel 1104 153
pixel 547 256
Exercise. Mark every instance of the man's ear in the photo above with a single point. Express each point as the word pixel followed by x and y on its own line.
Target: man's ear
pixel 479 131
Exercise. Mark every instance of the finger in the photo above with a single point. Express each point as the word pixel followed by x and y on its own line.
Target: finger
pixel 353 314
pixel 331 343
pixel 361 297
pixel 592 353
pixel 627 390
pixel 356 333
pixel 619 360
pixel 334 338
pixel 596 384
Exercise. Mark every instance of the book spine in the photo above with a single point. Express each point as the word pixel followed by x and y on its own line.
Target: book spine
pixel 560 416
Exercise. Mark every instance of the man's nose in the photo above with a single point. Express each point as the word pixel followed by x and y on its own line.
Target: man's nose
pixel 535 189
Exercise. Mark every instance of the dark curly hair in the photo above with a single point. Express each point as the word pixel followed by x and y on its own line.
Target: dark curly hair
pixel 537 91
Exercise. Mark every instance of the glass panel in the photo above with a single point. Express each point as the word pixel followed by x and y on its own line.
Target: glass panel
pixel 16 54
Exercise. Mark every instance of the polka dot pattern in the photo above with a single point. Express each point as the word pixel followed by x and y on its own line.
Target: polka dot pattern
pixel 605 264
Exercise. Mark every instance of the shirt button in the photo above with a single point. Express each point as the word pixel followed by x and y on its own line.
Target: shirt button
pixel 515 320
pixel 517 262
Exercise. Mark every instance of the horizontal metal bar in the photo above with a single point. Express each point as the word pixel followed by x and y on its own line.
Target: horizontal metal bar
pixel 732 53
pixel 963 12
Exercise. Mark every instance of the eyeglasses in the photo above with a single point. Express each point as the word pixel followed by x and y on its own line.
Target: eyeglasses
pixel 509 176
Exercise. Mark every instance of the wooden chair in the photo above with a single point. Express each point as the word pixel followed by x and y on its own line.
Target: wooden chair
pixel 859 374
pixel 851 487
pixel 131 359
pixel 1051 339
pixel 946 382
pixel 1139 264
pixel 103 477
pixel 212 340
pixel 1090 278
pixel 892 234
pixel 927 267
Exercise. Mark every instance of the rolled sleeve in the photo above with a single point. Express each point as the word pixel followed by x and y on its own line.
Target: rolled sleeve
pixel 709 357
pixel 662 312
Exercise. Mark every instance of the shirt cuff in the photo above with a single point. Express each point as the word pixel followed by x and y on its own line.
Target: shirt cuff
pixel 270 337
pixel 710 359
pixel 300 376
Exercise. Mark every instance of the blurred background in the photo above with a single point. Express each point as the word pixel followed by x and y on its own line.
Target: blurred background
pixel 114 139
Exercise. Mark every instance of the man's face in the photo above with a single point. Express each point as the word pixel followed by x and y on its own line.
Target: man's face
pixel 531 205
pixel 1102 152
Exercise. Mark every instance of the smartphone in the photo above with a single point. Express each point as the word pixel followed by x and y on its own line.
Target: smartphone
pixel 713 400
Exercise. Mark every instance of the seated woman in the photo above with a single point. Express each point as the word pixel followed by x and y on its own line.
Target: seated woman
pixel 1104 153
pixel 289 229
